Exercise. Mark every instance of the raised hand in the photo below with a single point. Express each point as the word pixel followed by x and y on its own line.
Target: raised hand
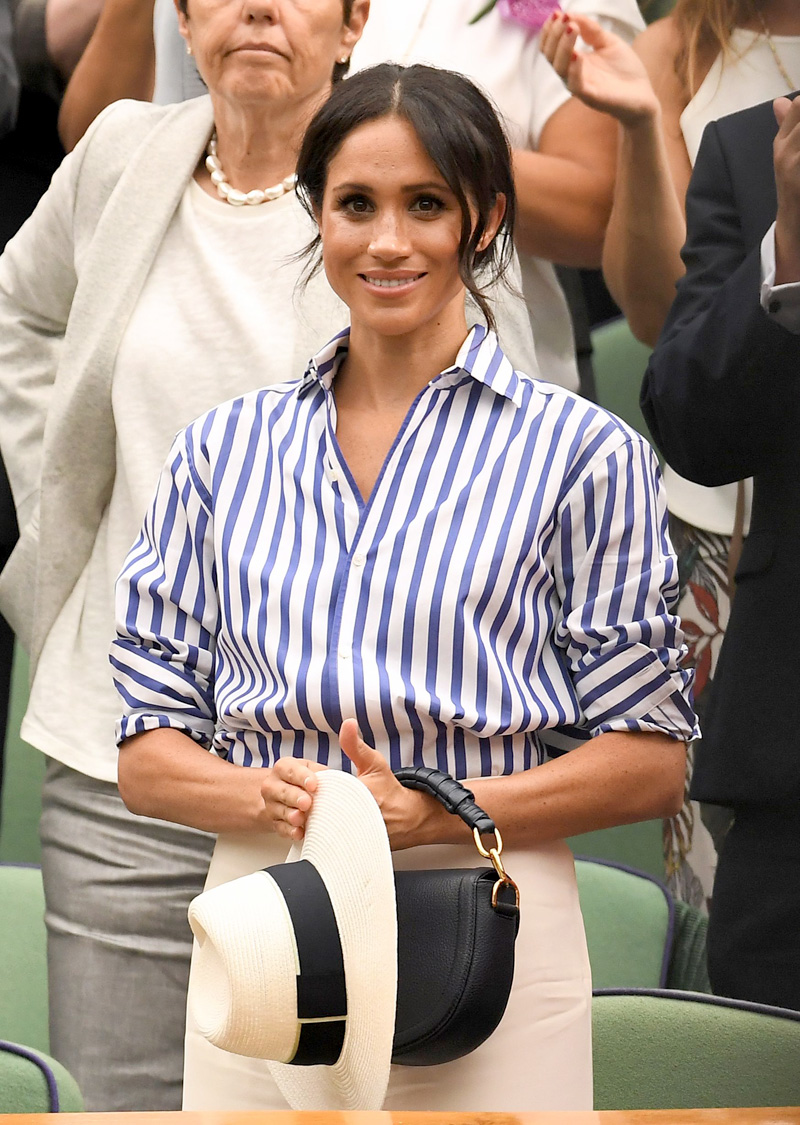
pixel 609 76
pixel 786 154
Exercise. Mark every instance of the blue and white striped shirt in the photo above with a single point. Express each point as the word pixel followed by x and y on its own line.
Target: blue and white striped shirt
pixel 509 575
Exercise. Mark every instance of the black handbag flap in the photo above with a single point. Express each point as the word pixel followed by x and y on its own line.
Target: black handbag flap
pixel 455 963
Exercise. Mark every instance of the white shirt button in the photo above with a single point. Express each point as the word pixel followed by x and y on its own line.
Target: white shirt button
pixel 344 654
pixel 359 560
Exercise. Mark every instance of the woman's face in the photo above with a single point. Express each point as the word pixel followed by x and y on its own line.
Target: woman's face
pixel 390 230
pixel 263 51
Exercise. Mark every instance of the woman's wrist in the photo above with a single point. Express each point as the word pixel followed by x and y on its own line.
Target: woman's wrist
pixel 642 120
pixel 429 822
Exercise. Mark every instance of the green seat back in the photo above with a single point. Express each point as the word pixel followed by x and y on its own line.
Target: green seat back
pixel 23 957
pixel 629 923
pixel 31 1082
pixel 619 362
pixel 686 1051
pixel 688 967
pixel 635 845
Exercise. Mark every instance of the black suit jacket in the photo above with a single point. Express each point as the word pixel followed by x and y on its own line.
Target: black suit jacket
pixel 722 399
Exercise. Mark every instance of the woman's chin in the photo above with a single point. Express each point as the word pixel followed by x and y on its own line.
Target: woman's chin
pixel 255 84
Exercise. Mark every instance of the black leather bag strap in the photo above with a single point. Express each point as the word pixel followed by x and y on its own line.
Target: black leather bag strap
pixel 455 797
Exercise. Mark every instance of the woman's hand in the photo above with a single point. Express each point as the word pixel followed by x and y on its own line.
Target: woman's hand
pixel 786 150
pixel 407 814
pixel 288 793
pixel 610 77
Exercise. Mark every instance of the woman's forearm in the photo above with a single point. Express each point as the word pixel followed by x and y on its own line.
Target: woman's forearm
pixel 562 209
pixel 641 255
pixel 165 774
pixel 119 62
pixel 616 778
pixel 564 190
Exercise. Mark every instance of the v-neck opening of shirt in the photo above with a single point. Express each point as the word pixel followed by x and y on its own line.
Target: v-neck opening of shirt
pixel 365 504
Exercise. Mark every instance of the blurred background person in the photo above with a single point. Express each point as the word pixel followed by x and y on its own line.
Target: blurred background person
pixel 707 59
pixel 721 398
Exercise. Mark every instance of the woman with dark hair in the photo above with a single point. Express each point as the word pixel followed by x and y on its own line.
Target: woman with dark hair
pixel 156 278
pixel 413 555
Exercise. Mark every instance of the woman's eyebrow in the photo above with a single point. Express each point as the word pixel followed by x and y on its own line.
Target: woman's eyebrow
pixel 429 185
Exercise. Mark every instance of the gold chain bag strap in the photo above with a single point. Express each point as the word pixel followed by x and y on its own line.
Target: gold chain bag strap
pixel 456 934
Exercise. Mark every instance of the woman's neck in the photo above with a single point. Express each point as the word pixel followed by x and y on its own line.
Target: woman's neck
pixel 257 145
pixel 386 373
pixel 782 17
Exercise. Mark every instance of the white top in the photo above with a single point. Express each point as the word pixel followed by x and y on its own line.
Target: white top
pixel 505 59
pixel 456 630
pixel 750 77
pixel 197 335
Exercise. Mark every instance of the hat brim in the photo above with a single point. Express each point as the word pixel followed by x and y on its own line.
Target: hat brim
pixel 346 840
pixel 247 956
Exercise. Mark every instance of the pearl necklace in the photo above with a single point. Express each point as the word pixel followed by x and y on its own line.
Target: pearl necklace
pixel 775 55
pixel 238 198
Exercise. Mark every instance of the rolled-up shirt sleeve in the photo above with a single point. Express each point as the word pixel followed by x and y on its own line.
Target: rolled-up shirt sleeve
pixel 619 581
pixel 167 608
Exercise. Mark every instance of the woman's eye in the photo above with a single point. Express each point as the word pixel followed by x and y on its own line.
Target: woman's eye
pixel 356 205
pixel 428 205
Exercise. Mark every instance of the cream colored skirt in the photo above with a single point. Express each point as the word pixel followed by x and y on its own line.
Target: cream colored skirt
pixel 539 1057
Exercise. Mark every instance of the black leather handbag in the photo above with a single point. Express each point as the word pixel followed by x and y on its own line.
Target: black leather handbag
pixel 455 931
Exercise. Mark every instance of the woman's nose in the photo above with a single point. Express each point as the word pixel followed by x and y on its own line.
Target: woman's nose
pixel 389 238
pixel 256 11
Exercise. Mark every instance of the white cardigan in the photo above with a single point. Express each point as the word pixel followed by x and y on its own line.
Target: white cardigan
pixel 68 284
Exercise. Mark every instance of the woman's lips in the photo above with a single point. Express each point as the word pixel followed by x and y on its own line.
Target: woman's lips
pixel 261 48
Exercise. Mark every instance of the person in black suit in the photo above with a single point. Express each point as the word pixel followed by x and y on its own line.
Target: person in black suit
pixel 722 399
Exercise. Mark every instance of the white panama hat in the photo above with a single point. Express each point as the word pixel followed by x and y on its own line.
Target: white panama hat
pixel 264 947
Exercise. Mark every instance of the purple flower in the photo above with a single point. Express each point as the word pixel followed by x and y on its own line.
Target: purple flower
pixel 527 13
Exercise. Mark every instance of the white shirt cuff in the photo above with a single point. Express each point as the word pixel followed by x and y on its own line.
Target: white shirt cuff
pixel 780 302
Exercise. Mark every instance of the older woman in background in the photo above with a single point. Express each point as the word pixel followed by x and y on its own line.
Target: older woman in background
pixel 155 279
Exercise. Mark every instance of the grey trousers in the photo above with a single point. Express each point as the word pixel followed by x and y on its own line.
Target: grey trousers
pixel 117 888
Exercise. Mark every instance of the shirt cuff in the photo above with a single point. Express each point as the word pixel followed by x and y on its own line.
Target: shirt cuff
pixel 781 303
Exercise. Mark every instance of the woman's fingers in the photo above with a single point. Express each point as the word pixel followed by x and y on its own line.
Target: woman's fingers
pixel 363 757
pixel 288 793
pixel 590 31
pixel 557 42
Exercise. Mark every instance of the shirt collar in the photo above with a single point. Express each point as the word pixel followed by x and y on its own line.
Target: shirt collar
pixel 480 357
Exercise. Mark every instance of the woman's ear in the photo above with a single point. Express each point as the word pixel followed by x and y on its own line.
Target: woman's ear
pixel 354 28
pixel 183 23
pixel 493 222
